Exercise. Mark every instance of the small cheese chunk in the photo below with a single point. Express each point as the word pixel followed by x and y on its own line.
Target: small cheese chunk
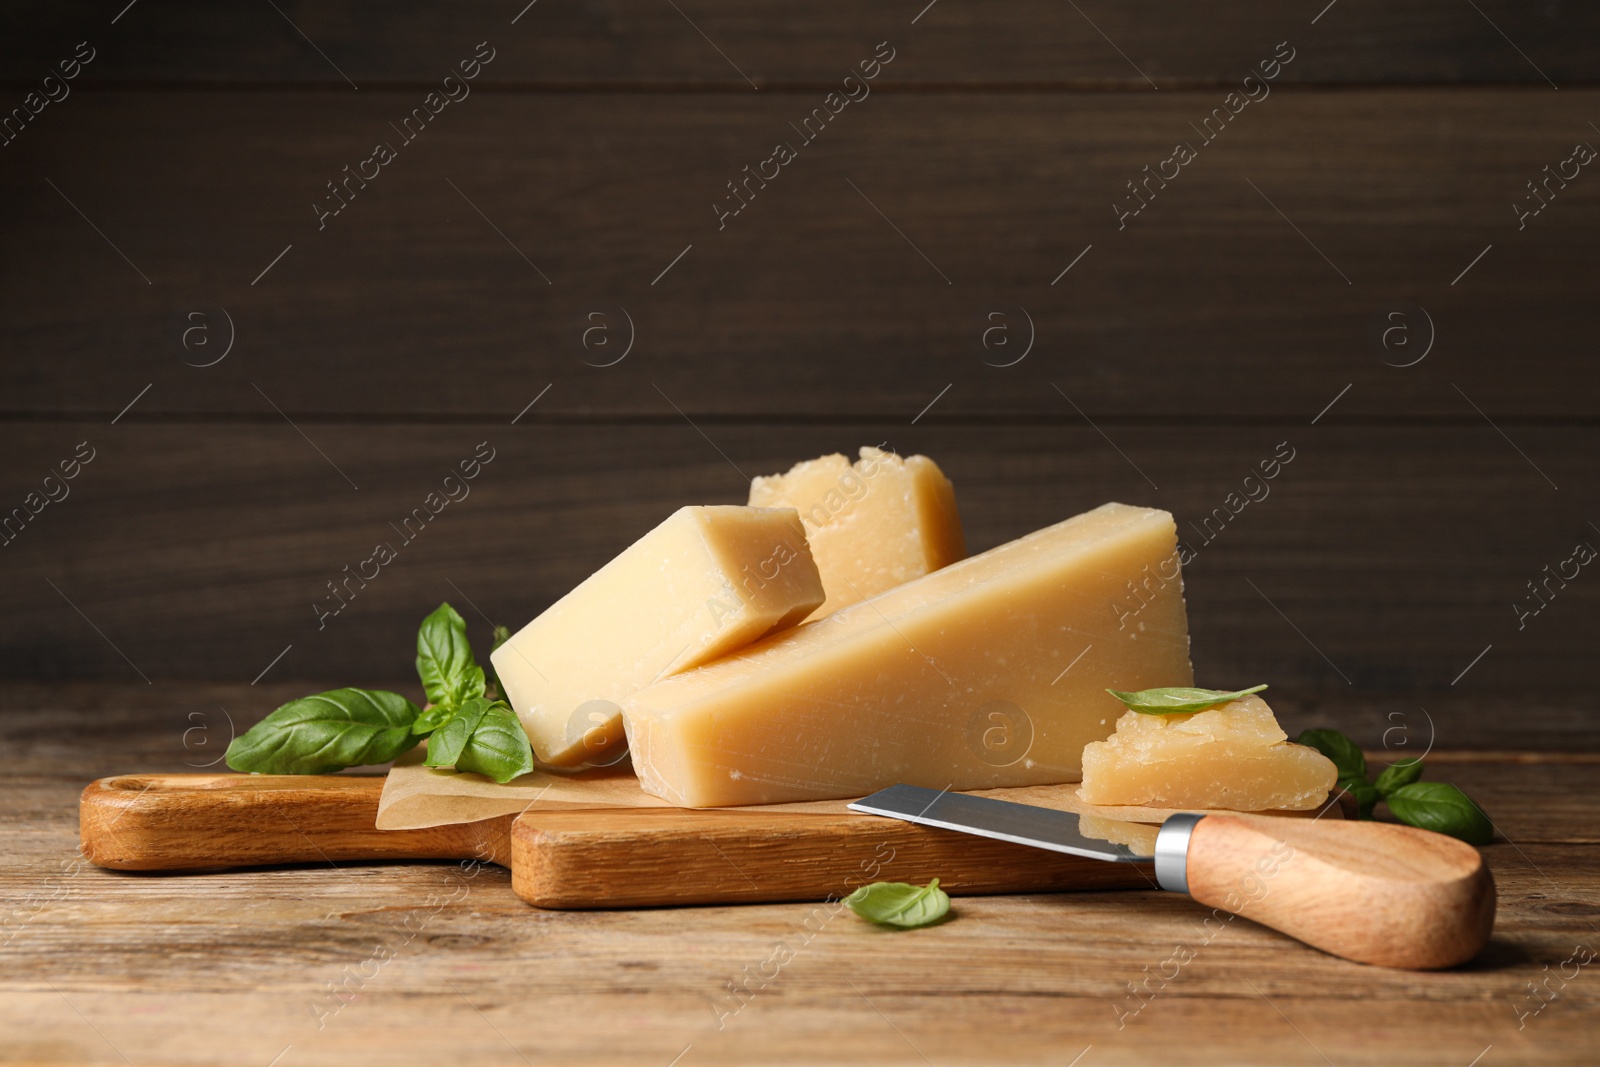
pixel 872 526
pixel 706 581
pixel 1233 756
pixel 989 672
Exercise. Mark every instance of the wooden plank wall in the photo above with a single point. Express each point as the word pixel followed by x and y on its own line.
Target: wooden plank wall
pixel 946 267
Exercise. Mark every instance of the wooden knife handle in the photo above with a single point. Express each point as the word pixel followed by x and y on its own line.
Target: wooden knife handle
pixel 1371 892
pixel 174 822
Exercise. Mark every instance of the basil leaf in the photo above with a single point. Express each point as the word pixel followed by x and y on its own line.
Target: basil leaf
pixel 327 732
pixel 450 675
pixel 471 684
pixel 484 737
pixel 431 718
pixel 899 904
pixel 1396 775
pixel 1345 753
pixel 498 747
pixel 1443 809
pixel 1365 792
pixel 502 634
pixel 1178 701
pixel 448 741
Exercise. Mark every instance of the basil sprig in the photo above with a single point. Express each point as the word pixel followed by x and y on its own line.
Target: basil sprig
pixel 1435 806
pixel 449 672
pixel 431 718
pixel 468 730
pixel 1179 700
pixel 327 732
pixel 448 742
pixel 354 727
pixel 899 904
pixel 484 737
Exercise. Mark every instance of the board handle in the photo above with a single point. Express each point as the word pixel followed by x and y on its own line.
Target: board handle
pixel 175 822
pixel 1371 892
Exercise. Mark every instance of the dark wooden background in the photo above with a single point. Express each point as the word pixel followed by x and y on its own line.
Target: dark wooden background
pixel 455 289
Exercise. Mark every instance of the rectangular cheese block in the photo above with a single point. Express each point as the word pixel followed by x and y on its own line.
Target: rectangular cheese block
pixel 872 526
pixel 706 581
pixel 989 672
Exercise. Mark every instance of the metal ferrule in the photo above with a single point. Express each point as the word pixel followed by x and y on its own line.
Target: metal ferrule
pixel 1172 852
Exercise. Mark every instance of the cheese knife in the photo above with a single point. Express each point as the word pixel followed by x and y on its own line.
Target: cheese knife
pixel 1371 892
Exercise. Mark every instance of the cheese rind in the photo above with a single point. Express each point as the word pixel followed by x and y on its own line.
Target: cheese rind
pixel 990 672
pixel 871 526
pixel 1234 756
pixel 705 582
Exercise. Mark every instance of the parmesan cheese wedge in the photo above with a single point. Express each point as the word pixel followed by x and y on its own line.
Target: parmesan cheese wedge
pixel 990 672
pixel 706 581
pixel 871 526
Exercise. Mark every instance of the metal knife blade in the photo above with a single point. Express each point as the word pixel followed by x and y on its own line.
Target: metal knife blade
pixel 1003 820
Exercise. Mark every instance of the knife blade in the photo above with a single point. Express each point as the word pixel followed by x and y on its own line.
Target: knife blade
pixel 1003 820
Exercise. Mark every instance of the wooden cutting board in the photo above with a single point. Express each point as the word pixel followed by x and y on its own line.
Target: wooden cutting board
pixel 601 858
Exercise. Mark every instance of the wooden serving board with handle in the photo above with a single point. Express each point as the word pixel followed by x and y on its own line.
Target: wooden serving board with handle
pixel 599 858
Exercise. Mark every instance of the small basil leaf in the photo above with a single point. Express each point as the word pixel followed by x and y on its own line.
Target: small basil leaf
pixel 431 718
pixel 502 634
pixel 1442 808
pixel 327 732
pixel 1178 701
pixel 450 675
pixel 1365 792
pixel 1396 775
pixel 1345 753
pixel 448 741
pixel 498 746
pixel 899 904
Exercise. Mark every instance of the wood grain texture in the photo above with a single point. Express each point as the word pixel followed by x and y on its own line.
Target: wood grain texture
pixel 618 859
pixel 606 858
pixel 1374 893
pixel 419 959
pixel 200 550
pixel 564 42
pixel 409 305
pixel 153 822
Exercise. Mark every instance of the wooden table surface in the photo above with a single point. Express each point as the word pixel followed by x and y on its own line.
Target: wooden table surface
pixel 433 962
